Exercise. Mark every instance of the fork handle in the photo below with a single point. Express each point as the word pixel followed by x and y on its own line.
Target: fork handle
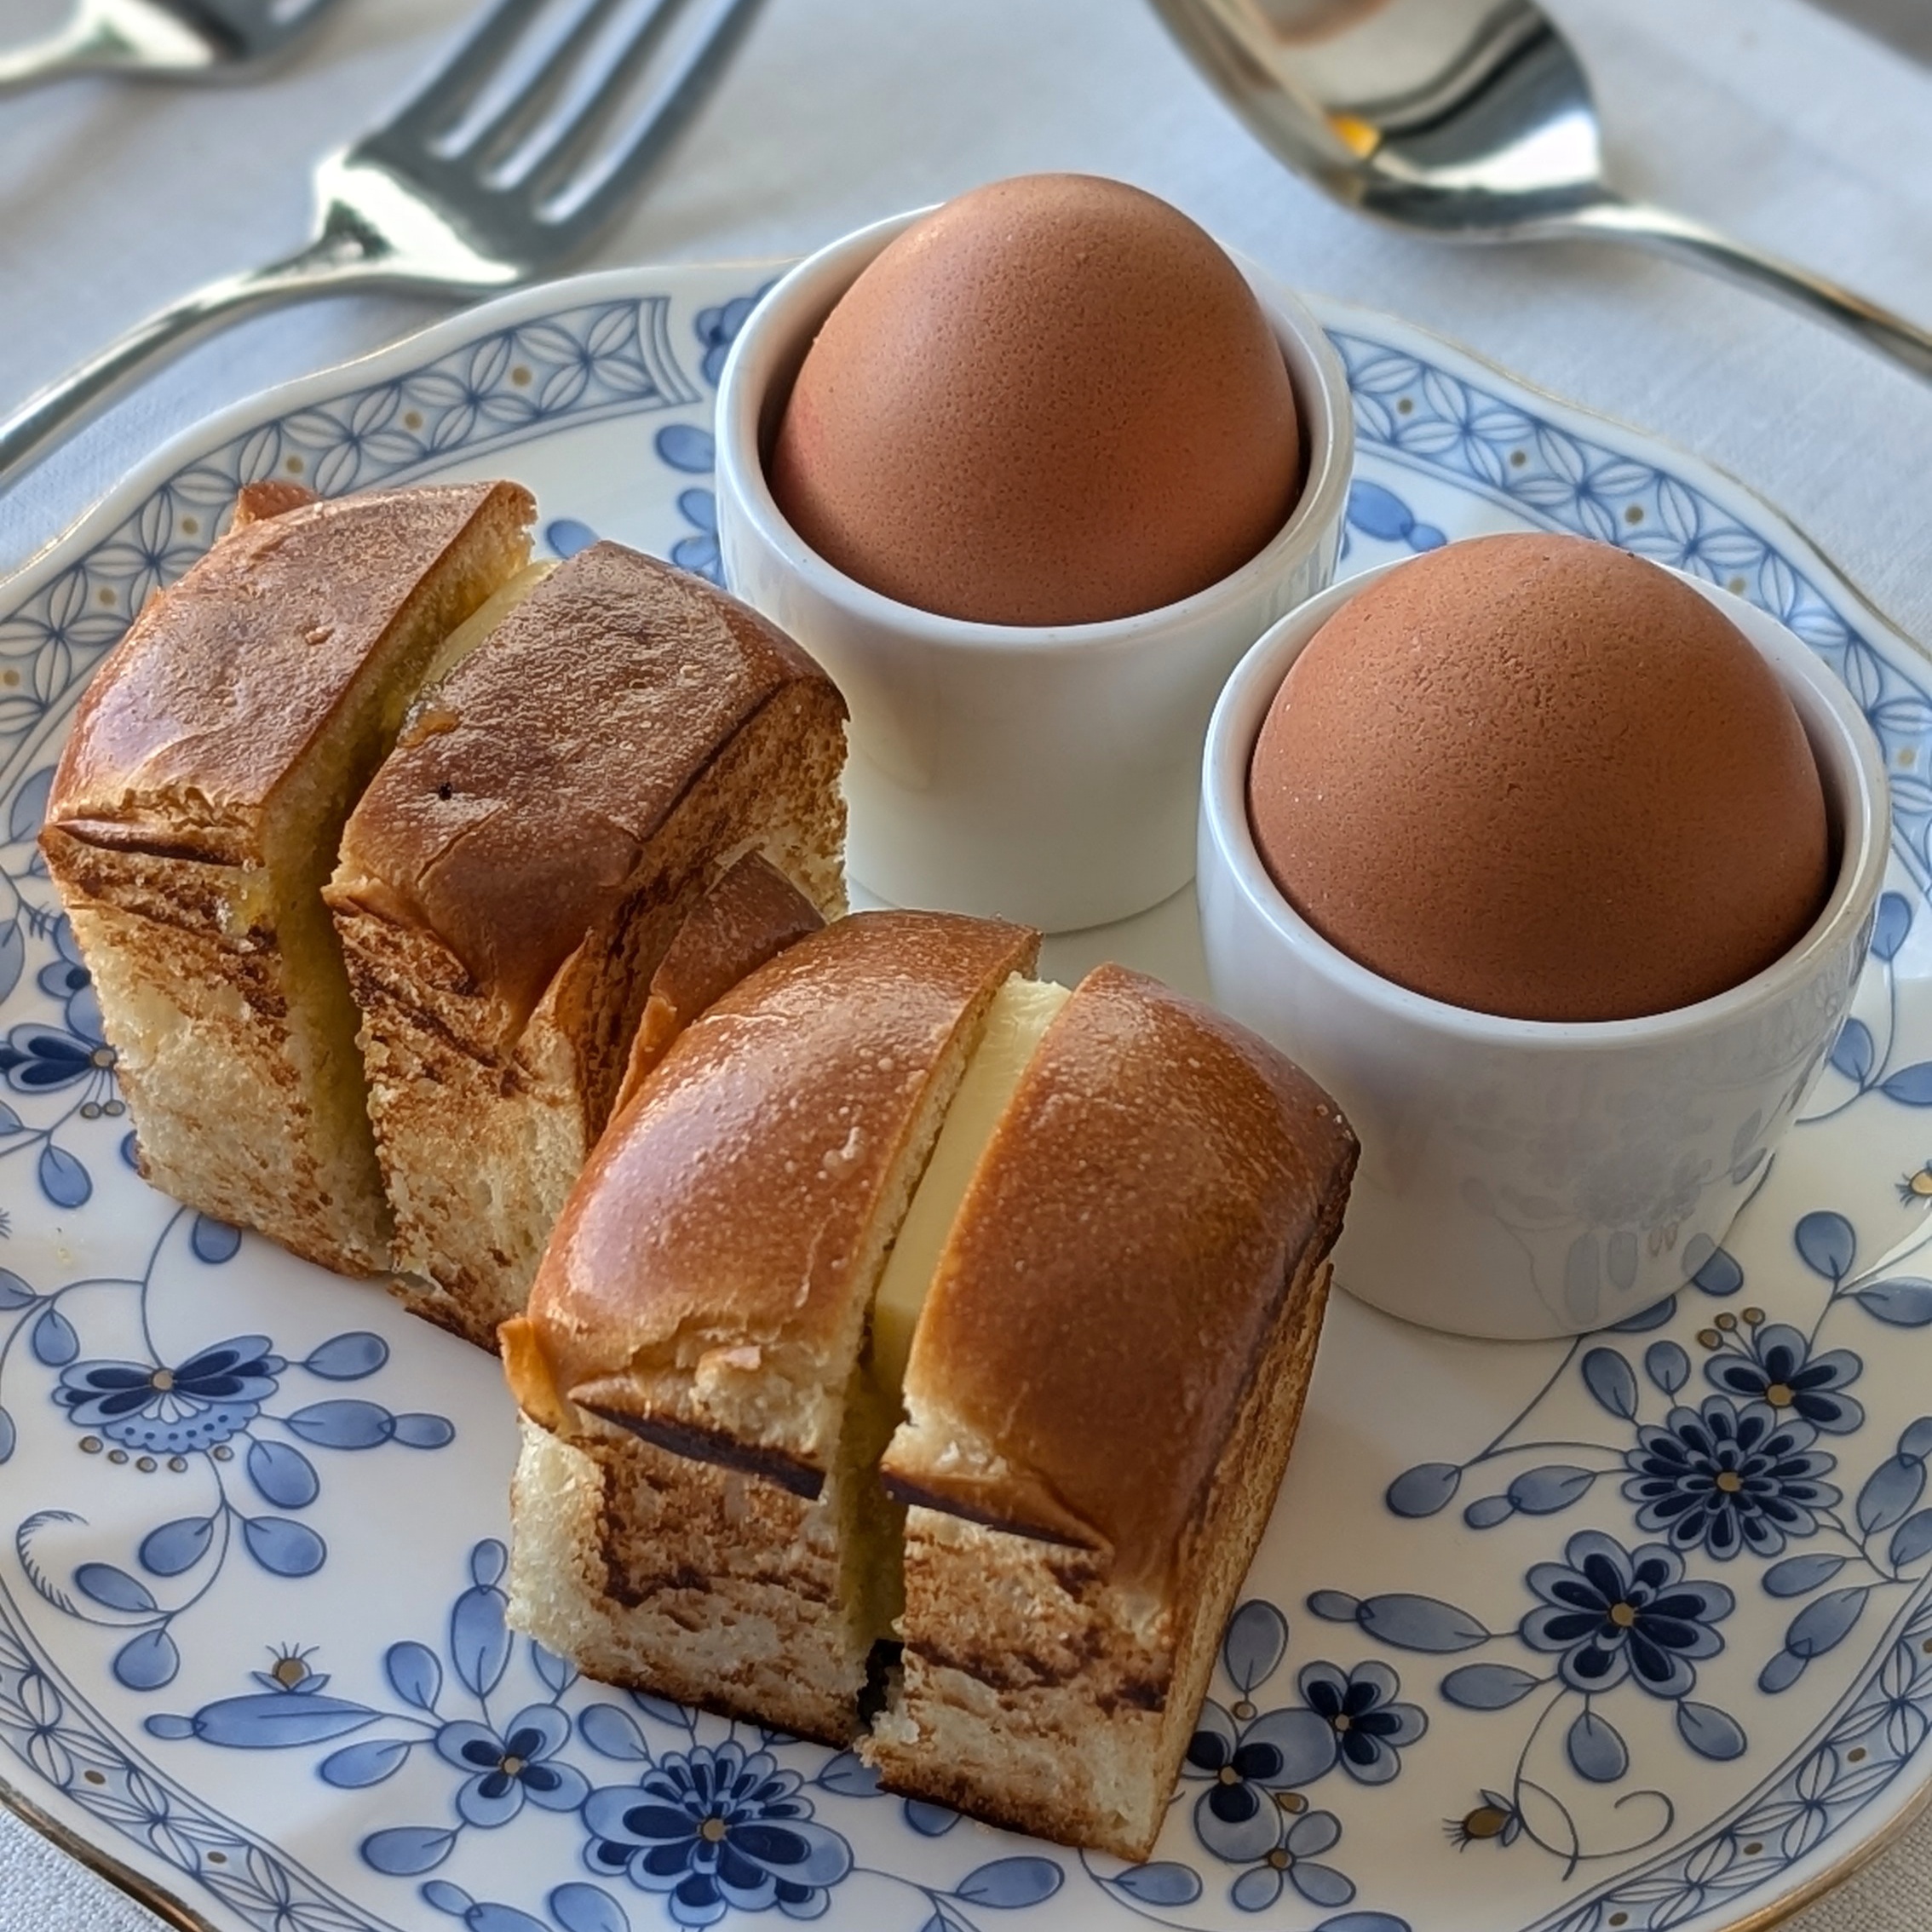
pixel 1677 235
pixel 86 45
pixel 336 260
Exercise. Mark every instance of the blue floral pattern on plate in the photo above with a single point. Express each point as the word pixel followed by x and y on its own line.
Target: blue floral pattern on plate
pixel 1633 1632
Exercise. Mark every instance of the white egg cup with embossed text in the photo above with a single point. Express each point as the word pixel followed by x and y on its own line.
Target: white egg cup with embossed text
pixel 1522 1179
pixel 1046 774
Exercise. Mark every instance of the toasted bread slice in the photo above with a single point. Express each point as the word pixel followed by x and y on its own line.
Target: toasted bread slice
pixel 514 872
pixel 1102 1390
pixel 697 1510
pixel 196 812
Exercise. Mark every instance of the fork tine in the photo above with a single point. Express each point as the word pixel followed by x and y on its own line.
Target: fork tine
pixel 442 100
pixel 672 103
pixel 518 115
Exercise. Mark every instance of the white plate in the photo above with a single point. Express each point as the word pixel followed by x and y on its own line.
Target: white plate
pixel 251 1649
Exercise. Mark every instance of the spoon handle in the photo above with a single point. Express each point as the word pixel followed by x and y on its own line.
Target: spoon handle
pixel 1691 241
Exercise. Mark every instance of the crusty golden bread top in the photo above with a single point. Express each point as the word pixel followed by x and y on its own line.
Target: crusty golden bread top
pixel 523 792
pixel 201 711
pixel 706 1283
pixel 1113 1274
pixel 750 916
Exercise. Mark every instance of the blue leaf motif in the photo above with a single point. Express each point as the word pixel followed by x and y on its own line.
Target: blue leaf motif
pixel 357 1765
pixel 1488 1511
pixel 407 1849
pixel 846 1773
pixel 422 1431
pixel 62 1178
pixel 1556 1486
pixel 7 1436
pixel 284 1476
pixel 281 1548
pixel 414 1674
pixel 1718 1274
pixel 214 1241
pixel 1854 1053
pixel 1910 1086
pixel 685 446
pixel 1798 1576
pixel 1258 1634
pixel 1911 1539
pixel 348 1357
pixel 445 1897
pixel 13 1292
pixel 585 1908
pixel 479 1643
pixel 343 1424
pixel 1419 1623
pixel 1163 1884
pixel 1423 1490
pixel 487 1562
pixel 1011 1885
pixel 114 1588
pixel 1889 928
pixel 54 1343
pixel 1379 513
pixel 611 1732
pixel 13 956
pixel 1335 1606
pixel 1667 1366
pixel 1784 1670
pixel 930 1820
pixel 490 1917
pixel 1364 1921
pixel 1488 1687
pixel 558 1673
pixel 1827 1244
pixel 1645 1320
pixel 1915 1439
pixel 1822 1625
pixel 147 1661
pixel 1597 1750
pixel 1905 1302
pixel 1889 1493
pixel 176 1546
pixel 1710 1732
pixel 277 1720
pixel 1612 1382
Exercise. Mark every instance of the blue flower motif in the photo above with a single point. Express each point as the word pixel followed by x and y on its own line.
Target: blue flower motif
pixel 213 1395
pixel 1779 1369
pixel 67 978
pixel 717 1830
pixel 505 1770
pixel 1352 1720
pixel 1610 1613
pixel 36 1058
pixel 1291 1857
pixel 1729 1478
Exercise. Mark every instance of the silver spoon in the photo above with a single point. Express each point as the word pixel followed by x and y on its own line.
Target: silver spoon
pixel 181 39
pixel 1467 120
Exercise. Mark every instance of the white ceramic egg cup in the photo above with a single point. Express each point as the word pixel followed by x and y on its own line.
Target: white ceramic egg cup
pixel 1522 1179
pixel 1044 774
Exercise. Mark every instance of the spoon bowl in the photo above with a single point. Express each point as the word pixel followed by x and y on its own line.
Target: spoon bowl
pixel 1467 120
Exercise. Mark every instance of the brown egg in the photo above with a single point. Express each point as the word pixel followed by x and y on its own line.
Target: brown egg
pixel 1055 401
pixel 1539 777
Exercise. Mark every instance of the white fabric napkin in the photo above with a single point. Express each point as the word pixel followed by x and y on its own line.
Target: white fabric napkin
pixel 1760 115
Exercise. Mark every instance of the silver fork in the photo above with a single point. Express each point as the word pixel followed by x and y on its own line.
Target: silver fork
pixel 183 39
pixel 431 202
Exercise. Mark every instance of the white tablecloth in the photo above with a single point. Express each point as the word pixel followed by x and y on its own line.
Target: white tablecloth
pixel 1760 115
